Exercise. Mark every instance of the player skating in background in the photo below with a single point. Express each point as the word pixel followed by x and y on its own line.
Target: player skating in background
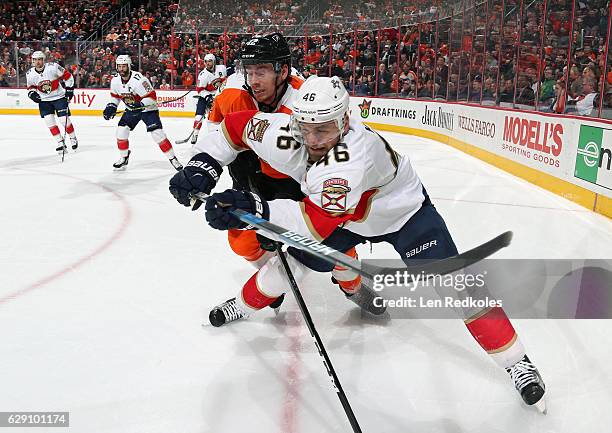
pixel 357 189
pixel 52 87
pixel 209 80
pixel 136 92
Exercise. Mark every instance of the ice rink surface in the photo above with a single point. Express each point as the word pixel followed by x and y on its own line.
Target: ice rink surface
pixel 105 281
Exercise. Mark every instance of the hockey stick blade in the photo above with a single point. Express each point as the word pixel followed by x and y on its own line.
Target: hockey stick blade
pixel 185 140
pixel 317 249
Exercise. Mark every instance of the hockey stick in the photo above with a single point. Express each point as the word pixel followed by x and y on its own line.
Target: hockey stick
pixel 161 103
pixel 199 123
pixel 187 139
pixel 317 340
pixel 317 249
pixel 65 126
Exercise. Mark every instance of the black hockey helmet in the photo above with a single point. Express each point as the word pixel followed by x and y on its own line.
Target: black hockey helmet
pixel 271 48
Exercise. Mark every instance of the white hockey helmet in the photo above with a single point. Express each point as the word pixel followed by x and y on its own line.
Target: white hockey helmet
pixel 320 100
pixel 37 55
pixel 123 59
pixel 210 56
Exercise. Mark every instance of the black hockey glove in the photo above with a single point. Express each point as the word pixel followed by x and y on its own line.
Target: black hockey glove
pixel 109 111
pixel 34 96
pixel 208 102
pixel 219 206
pixel 69 93
pixel 199 175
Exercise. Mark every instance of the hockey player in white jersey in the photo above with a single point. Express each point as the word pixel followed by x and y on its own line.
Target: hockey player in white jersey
pixel 140 99
pixel 52 87
pixel 209 81
pixel 357 189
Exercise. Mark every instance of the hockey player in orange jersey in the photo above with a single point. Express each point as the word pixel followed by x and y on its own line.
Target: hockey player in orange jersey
pixel 263 82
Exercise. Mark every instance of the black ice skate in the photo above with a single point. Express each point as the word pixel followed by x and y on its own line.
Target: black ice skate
pixel 61 148
pixel 176 163
pixel 227 312
pixel 122 163
pixel 75 144
pixel 528 383
pixel 364 298
pixel 277 304
pixel 194 138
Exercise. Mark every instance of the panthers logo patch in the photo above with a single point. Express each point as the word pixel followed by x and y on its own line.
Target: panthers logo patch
pixel 45 86
pixel 333 196
pixel 128 98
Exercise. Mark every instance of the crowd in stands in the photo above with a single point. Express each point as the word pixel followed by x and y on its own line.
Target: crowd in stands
pixel 239 16
pixel 485 55
pixel 60 20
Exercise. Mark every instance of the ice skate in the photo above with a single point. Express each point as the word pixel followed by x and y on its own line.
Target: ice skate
pixel 176 163
pixel 227 312
pixel 364 298
pixel 528 383
pixel 122 162
pixel 61 148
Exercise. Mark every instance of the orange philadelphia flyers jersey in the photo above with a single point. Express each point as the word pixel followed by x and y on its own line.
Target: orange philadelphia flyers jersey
pixel 234 97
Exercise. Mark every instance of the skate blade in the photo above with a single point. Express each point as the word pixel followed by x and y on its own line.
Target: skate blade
pixel 120 168
pixel 540 405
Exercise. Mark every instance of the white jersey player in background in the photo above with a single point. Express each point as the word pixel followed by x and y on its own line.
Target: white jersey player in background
pixel 357 189
pixel 209 81
pixel 52 87
pixel 140 99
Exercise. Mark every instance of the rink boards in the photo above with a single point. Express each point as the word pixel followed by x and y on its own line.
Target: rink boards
pixel 567 155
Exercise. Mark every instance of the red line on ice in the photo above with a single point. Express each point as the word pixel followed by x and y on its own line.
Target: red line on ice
pixel 127 217
pixel 289 422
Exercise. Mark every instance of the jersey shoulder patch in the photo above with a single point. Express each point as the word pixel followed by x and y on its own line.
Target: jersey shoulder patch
pixel 256 129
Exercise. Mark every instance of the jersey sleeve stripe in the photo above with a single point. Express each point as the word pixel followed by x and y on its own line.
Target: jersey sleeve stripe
pixel 151 95
pixel 235 142
pixel 66 75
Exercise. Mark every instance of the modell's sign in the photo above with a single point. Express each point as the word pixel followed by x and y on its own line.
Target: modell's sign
pixel 533 139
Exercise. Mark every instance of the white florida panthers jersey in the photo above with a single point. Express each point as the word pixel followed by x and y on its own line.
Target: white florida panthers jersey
pixel 209 82
pixel 362 184
pixel 48 82
pixel 138 88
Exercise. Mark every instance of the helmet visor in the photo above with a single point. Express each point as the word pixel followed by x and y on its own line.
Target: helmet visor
pixel 316 134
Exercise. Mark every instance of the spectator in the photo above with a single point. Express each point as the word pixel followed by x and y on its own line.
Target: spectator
pixel 587 101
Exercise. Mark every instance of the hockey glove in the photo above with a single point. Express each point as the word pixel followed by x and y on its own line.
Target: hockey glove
pixel 69 93
pixel 109 111
pixel 208 102
pixel 219 206
pixel 199 175
pixel 34 96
